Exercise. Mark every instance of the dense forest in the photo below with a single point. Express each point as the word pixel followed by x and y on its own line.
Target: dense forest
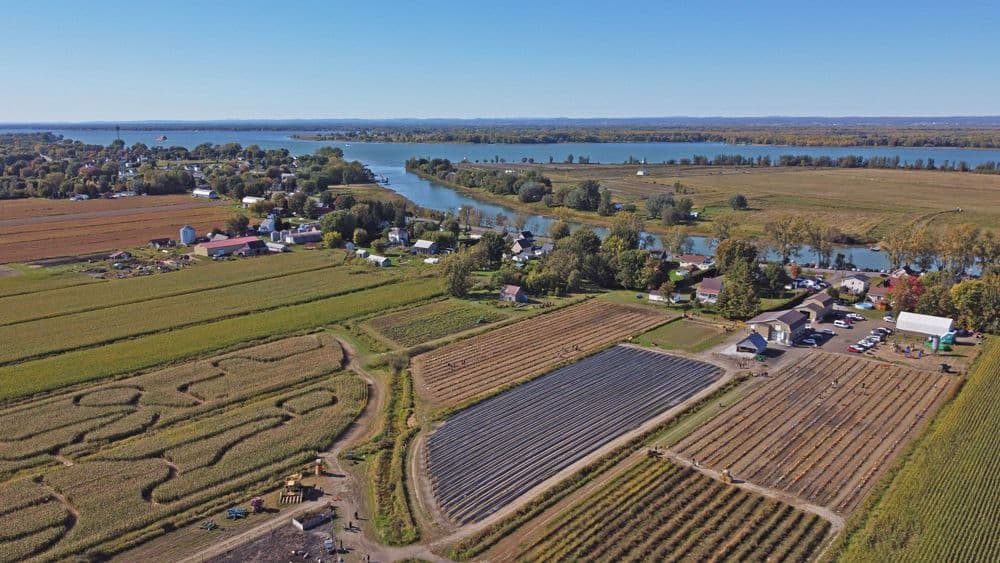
pixel 849 136
pixel 46 165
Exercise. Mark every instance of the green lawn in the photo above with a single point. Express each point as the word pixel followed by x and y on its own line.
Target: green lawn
pixel 682 335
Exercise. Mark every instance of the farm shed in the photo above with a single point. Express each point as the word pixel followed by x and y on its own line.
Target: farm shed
pixel 924 324
pixel 709 290
pixel 784 327
pixel 380 261
pixel 513 294
pixel 205 193
pixel 159 243
pixel 303 238
pixel 657 297
pixel 223 247
pixel 425 247
pixel 361 253
pixel 250 200
pixel 188 234
pixel 816 307
pixel 311 519
pixel 753 344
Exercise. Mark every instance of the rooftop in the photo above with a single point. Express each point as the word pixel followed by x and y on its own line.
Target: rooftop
pixel 228 242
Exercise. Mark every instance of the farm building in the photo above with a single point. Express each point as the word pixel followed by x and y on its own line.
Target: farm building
pixel 927 325
pixel 223 247
pixel 513 294
pixel 855 284
pixel 303 238
pixel 311 519
pixel 267 225
pixel 205 193
pixel 425 247
pixel 752 344
pixel 253 248
pixel 361 253
pixel 188 234
pixel 783 327
pixel 709 290
pixel 657 297
pixel 695 261
pixel 120 255
pixel 641 172
pixel 380 261
pixel 250 200
pixel 277 247
pixel 399 236
pixel 816 307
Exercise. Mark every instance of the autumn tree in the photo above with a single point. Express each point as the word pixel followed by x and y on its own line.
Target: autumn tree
pixel 786 235
pixel 738 298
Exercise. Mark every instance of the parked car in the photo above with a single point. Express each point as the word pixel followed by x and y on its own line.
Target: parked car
pixel 855 317
pixel 884 330
pixel 810 342
pixel 854 349
pixel 889 319
pixel 829 332
pixel 841 324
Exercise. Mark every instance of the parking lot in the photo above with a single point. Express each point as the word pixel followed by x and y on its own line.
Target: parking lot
pixel 844 337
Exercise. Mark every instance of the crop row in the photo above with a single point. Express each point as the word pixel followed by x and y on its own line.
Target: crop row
pixel 53 335
pixel 67 300
pixel 942 505
pixel 433 321
pixel 473 366
pixel 141 353
pixel 489 454
pixel 821 429
pixel 658 511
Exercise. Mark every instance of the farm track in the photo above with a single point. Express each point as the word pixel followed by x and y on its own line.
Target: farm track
pixel 821 442
pixel 486 456
pixel 468 368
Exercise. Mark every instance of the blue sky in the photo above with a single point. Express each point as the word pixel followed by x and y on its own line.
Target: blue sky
pixel 113 60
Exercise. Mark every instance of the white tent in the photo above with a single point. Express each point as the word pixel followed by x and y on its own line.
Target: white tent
pixel 924 324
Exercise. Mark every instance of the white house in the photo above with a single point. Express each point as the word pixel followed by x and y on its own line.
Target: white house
pixel 855 284
pixel 657 297
pixel 425 246
pixel 399 236
pixel 642 172
pixel 250 200
pixel 696 260
pixel 709 290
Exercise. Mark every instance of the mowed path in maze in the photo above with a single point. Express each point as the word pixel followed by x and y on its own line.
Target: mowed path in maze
pixel 491 453
pixel 823 429
pixel 462 370
pixel 656 510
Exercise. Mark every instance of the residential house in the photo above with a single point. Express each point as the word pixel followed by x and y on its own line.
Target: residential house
pixel 251 200
pixel 709 290
pixel 879 294
pixel 545 249
pixel 855 284
pixel 513 294
pixel 783 327
pixel 223 247
pixel 656 296
pixel 380 261
pixel 399 236
pixel 816 307
pixel 521 245
pixel 425 247
pixel 698 261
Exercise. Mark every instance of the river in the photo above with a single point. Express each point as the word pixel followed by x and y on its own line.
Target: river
pixel 387 159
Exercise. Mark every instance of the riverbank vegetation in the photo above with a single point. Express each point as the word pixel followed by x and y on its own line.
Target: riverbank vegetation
pixel 840 136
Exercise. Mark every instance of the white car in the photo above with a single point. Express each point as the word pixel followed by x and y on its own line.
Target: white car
pixel 841 324
pixel 855 316
pixel 809 341
pixel 829 332
pixel 888 319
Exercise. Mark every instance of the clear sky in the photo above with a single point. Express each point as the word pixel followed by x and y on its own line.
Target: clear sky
pixel 66 60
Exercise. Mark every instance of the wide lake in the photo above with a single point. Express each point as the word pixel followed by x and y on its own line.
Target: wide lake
pixel 387 160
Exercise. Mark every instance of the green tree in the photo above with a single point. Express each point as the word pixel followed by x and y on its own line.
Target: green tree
pixel 604 207
pixel 491 247
pixel 738 202
pixel 458 270
pixel 628 227
pixel 359 236
pixel 310 209
pixel 775 278
pixel 632 270
pixel 785 236
pixel 730 252
pixel 332 239
pixel 676 241
pixel 238 224
pixel 738 298
pixel 558 230
pixel 723 226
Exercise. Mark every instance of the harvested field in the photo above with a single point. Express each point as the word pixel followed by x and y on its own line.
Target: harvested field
pixel 488 455
pixel 32 229
pixel 184 437
pixel 824 429
pixel 434 320
pixel 465 369
pixel 656 510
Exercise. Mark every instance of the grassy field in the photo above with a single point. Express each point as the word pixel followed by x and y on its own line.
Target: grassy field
pixel 683 335
pixel 942 505
pixel 863 202
pixel 434 320
pixel 205 275
pixel 160 447
pixel 23 280
pixel 53 372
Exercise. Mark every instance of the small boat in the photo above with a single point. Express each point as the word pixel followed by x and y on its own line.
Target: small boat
pixel 161 138
pixel 875 248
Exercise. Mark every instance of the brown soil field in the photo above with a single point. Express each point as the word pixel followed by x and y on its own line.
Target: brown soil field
pixel 34 229
pixel 824 429
pixel 465 369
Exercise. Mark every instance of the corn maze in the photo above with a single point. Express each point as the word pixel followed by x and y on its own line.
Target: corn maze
pixel 490 454
pixel 656 510
pixel 823 429
pixel 93 469
pixel 465 369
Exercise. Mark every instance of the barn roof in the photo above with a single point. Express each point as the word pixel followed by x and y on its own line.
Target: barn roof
pixel 923 324
pixel 228 242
